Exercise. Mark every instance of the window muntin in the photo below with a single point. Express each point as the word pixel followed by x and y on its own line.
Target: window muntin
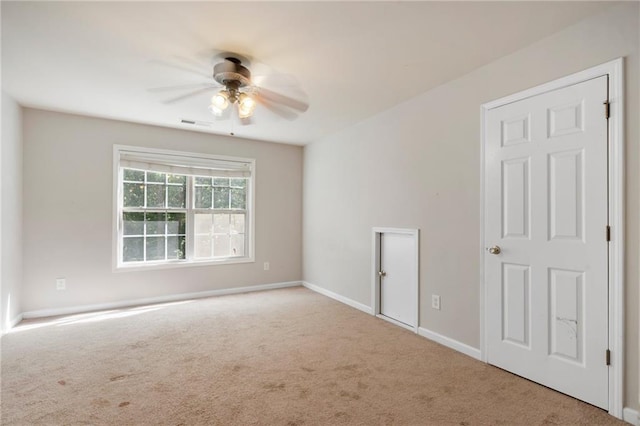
pixel 152 189
pixel 182 218
pixel 150 236
pixel 220 193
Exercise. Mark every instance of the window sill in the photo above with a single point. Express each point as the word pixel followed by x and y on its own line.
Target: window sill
pixel 180 264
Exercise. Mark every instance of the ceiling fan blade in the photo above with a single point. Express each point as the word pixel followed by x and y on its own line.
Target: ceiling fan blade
pixel 193 63
pixel 278 110
pixel 188 69
pixel 212 85
pixel 275 97
pixel 275 80
pixel 187 95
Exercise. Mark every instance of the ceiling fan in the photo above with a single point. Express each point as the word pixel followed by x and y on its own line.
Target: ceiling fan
pixel 236 91
pixel 234 77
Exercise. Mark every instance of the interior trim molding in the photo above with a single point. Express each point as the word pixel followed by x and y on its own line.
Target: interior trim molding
pixel 338 297
pixel 630 415
pixel 153 300
pixel 15 321
pixel 450 343
pixel 12 323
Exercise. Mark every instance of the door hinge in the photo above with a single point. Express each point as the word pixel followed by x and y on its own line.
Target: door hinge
pixel 607 109
pixel 608 357
pixel 608 233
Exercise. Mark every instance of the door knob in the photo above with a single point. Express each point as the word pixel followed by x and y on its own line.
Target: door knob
pixel 494 250
pixel 382 274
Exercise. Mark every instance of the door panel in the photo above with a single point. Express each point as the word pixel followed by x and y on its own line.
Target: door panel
pixel 515 315
pixel 565 314
pixel 398 289
pixel 546 207
pixel 515 198
pixel 566 198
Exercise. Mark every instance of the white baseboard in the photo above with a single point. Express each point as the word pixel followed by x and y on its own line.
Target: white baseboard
pixel 12 323
pixel 632 416
pixel 450 343
pixel 153 300
pixel 443 340
pixel 338 297
pixel 15 321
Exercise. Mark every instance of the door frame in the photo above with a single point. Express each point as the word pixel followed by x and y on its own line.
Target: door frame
pixel 614 71
pixel 375 279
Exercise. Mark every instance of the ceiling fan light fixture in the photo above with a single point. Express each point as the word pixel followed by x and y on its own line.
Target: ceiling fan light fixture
pixel 220 100
pixel 246 105
pixel 215 110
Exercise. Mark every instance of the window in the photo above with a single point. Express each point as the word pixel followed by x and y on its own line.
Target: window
pixel 179 208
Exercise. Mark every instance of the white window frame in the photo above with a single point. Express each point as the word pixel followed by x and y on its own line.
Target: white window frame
pixel 117 228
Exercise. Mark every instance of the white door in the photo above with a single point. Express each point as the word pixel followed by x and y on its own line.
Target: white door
pixel 546 210
pixel 398 280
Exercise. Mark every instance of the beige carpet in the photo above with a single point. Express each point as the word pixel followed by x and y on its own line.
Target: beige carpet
pixel 283 357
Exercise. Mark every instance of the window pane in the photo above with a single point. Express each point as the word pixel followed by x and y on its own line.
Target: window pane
pixel 156 177
pixel 237 245
pixel 155 223
pixel 220 246
pixel 203 181
pixel 203 223
pixel 236 224
pixel 132 249
pixel 133 194
pixel 203 197
pixel 203 247
pixel 221 198
pixel 176 223
pixel 177 179
pixel 238 183
pixel 133 223
pixel 155 248
pixel 133 175
pixel 155 195
pixel 238 199
pixel 176 196
pixel 220 223
pixel 175 247
pixel 220 182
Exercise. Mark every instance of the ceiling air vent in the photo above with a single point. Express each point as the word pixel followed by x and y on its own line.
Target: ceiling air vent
pixel 196 122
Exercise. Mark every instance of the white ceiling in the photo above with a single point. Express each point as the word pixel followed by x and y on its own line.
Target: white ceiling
pixel 351 59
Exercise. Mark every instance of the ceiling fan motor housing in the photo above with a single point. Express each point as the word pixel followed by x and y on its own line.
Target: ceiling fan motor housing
pixel 231 70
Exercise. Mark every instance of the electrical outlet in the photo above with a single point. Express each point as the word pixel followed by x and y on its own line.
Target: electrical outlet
pixel 266 266
pixel 61 284
pixel 435 301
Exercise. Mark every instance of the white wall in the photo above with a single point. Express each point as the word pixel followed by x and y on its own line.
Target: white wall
pixel 417 165
pixel 68 184
pixel 11 212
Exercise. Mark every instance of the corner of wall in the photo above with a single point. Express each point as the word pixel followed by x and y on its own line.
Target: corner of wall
pixel 11 215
